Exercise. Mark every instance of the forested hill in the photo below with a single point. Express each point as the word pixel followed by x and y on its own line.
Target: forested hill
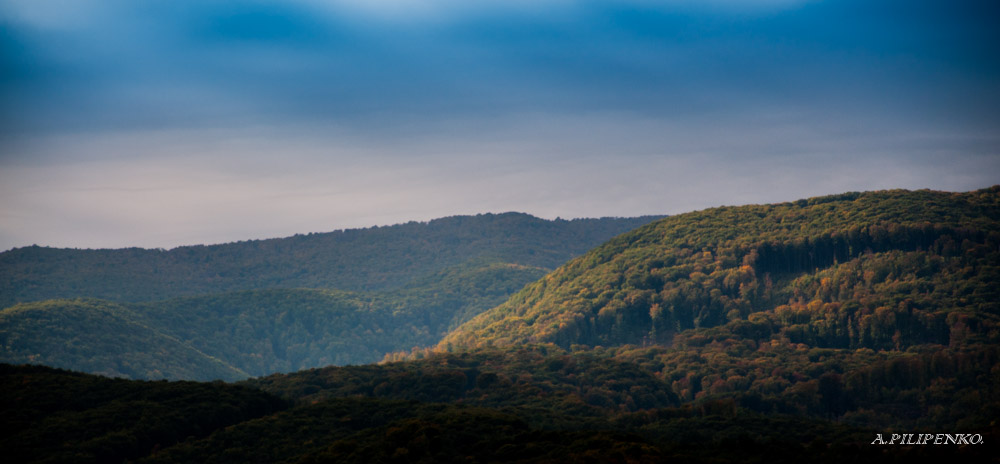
pixel 795 332
pixel 880 308
pixel 882 270
pixel 108 313
pixel 378 258
pixel 236 335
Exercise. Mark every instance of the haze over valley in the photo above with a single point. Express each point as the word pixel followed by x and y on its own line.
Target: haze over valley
pixel 435 231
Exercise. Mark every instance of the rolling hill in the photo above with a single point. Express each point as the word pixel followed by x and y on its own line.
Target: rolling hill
pixel 429 278
pixel 537 405
pixel 52 415
pixel 232 336
pixel 845 271
pixel 879 308
pixel 373 259
pixel 791 332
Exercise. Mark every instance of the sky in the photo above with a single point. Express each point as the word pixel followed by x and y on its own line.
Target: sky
pixel 161 123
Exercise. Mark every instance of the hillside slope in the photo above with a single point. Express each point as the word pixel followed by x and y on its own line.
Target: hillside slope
pixel 373 259
pixel 879 270
pixel 104 338
pixel 246 309
pixel 236 335
pixel 58 416
pixel 539 405
pixel 880 309
pixel 774 333
pixel 52 415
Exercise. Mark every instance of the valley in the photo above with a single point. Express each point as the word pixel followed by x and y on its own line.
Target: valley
pixel 734 334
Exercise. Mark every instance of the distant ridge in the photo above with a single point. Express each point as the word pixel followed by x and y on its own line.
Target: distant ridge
pixel 377 258
pixel 819 330
pixel 254 308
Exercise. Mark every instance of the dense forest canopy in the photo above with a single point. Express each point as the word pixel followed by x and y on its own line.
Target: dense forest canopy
pixel 424 279
pixel 373 259
pixel 762 333
pixel 845 271
pixel 871 308
pixel 542 404
pixel 52 415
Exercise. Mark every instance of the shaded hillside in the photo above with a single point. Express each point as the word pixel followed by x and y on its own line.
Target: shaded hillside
pixel 51 415
pixel 531 406
pixel 236 316
pixel 539 405
pixel 579 384
pixel 877 270
pixel 236 335
pixel 377 258
pixel 104 338
pixel 625 391
pixel 362 430
pixel 776 333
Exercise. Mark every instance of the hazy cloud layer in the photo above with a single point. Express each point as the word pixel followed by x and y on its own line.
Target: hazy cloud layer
pixel 161 123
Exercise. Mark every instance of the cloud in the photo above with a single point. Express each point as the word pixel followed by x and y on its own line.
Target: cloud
pixel 164 123
pixel 450 10
pixel 170 188
pixel 122 65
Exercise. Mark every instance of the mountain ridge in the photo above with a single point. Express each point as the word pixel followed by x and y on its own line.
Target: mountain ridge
pixel 377 258
pixel 236 313
pixel 763 333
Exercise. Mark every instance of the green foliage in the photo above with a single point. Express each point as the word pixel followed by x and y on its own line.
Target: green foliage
pixel 411 284
pixel 856 307
pixel 773 333
pixel 373 259
pixel 102 338
pixel 237 335
pixel 921 257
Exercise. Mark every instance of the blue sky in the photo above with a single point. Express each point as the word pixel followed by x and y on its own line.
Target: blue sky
pixel 163 123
